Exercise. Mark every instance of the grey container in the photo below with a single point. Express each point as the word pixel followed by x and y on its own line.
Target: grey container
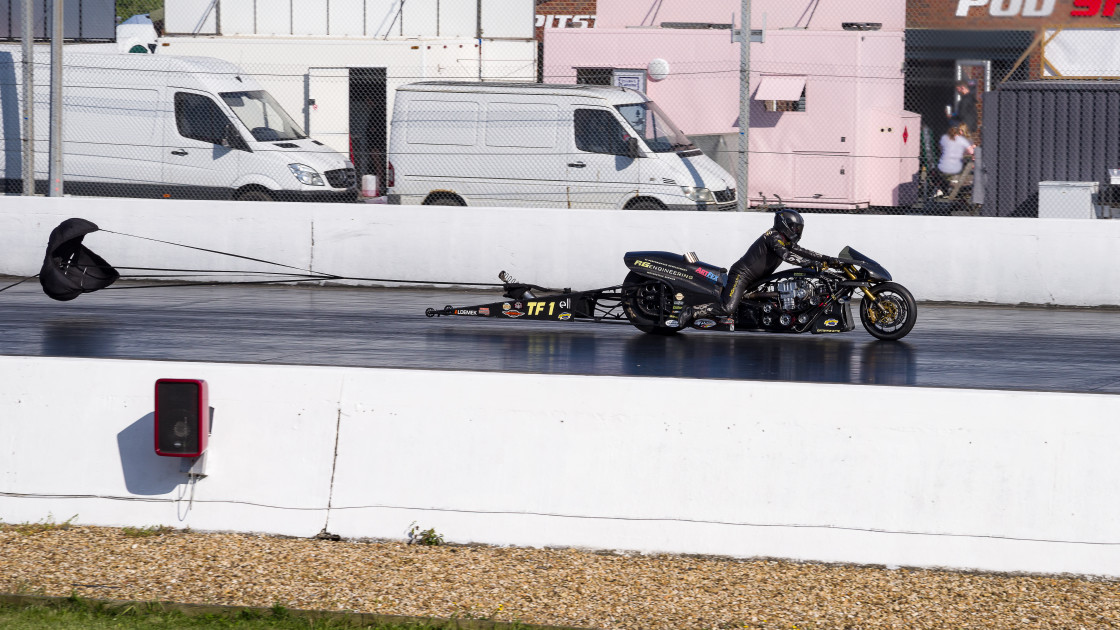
pixel 1049 130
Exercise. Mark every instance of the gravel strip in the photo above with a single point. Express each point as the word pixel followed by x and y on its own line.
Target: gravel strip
pixel 566 587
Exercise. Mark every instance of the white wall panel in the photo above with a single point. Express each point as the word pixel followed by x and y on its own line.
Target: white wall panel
pixel 274 17
pixel 509 61
pixel 239 18
pixel 190 16
pixel 508 18
pixel 969 479
pixel 458 19
pixel 382 18
pixel 418 18
pixel 1082 53
pixel 347 18
pixel 961 259
pixel 309 18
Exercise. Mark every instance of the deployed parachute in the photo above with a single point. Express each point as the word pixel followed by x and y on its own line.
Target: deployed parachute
pixel 70 268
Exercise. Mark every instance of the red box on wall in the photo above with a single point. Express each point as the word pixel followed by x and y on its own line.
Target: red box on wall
pixel 182 417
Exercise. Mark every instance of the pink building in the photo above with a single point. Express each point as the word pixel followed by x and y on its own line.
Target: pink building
pixel 827 125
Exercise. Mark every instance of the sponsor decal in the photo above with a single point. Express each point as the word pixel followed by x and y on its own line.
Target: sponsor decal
pixel 664 271
pixel 538 308
pixel 711 275
pixel 679 297
pixel 517 305
pixel 466 311
pixel 831 322
pixel 564 316
pixel 672 323
pixel 505 307
pixel 514 313
pixel 704 323
pixel 484 311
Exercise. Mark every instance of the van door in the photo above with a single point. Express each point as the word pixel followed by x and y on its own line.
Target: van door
pixel 600 173
pixel 522 158
pixel 111 137
pixel 197 166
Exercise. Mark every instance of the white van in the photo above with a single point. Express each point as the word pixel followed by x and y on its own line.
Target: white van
pixel 545 145
pixel 161 126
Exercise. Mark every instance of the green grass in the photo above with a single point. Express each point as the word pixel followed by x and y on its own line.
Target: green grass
pixel 45 525
pixel 74 613
pixel 145 532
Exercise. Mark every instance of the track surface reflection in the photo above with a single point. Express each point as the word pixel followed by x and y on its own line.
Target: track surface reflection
pixel 951 346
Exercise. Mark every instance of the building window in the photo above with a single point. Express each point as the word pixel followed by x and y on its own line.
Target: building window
pixel 787 106
pixel 595 76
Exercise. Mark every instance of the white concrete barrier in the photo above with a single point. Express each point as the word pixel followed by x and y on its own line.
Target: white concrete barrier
pixel 994 480
pixel 964 259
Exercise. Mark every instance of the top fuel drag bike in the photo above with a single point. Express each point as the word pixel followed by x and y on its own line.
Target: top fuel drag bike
pixel 659 285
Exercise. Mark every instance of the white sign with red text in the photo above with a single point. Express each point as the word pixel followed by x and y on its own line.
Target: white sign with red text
pixel 1035 8
pixel 566 21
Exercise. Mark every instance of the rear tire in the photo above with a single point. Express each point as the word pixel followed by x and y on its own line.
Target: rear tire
pixel 645 303
pixel 892 314
pixel 444 199
pixel 645 204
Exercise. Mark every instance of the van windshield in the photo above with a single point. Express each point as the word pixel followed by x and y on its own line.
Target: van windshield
pixel 659 133
pixel 264 117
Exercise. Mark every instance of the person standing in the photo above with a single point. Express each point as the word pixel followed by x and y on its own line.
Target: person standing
pixel 967 111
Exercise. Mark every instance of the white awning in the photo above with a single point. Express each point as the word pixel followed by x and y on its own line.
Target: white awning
pixel 780 87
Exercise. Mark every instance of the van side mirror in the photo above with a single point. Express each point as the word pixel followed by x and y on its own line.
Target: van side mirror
pixel 632 150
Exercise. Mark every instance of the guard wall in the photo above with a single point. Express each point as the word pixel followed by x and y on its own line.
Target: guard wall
pixel 1068 262
pixel 971 479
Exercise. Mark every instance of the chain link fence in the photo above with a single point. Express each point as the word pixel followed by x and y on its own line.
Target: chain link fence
pixel 858 119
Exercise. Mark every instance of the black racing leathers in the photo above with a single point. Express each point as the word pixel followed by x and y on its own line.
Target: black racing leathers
pixel 760 260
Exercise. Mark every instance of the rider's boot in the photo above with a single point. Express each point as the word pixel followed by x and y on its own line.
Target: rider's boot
pixel 690 313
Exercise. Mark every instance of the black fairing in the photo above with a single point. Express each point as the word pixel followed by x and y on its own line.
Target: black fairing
pixel 699 281
pixel 873 268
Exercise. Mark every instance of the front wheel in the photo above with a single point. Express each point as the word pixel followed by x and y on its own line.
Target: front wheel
pixel 892 314
pixel 646 302
pixel 255 194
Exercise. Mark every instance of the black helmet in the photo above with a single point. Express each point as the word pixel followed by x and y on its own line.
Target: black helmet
pixel 789 224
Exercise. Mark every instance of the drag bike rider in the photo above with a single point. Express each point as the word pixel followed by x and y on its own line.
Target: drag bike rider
pixel 762 258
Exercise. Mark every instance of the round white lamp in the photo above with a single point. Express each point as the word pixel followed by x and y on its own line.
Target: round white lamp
pixel 658 69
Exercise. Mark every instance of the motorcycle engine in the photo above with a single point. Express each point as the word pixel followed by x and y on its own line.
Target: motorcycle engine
pixel 796 294
pixel 795 298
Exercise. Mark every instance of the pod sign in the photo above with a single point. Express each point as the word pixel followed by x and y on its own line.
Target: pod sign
pixel 1037 8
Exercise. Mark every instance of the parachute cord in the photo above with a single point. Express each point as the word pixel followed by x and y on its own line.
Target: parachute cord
pixel 313 275
pixel 215 251
pixel 20 282
pixel 220 271
pixel 212 283
pixel 425 282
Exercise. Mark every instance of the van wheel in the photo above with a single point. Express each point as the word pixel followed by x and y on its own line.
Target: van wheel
pixel 444 199
pixel 645 204
pixel 255 194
